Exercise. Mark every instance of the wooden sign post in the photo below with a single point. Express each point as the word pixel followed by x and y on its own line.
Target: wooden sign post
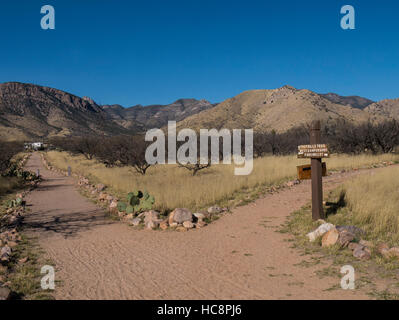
pixel 315 151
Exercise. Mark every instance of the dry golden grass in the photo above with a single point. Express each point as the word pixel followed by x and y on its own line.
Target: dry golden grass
pixel 175 187
pixel 373 203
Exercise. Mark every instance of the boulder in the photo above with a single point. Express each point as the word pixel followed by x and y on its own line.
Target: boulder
pixel 180 215
pixel 188 224
pixel 322 229
pixel 151 215
pixel 345 237
pixel 214 210
pixel 352 229
pixel 181 229
pixel 330 238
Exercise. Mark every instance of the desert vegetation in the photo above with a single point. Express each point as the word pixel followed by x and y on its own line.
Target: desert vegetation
pixel 341 137
pixel 8 156
pixel 174 187
pixel 119 162
pixel 372 202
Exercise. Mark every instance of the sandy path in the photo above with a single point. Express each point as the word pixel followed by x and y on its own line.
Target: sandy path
pixel 235 257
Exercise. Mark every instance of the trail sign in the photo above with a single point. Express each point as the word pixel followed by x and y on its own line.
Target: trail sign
pixel 315 151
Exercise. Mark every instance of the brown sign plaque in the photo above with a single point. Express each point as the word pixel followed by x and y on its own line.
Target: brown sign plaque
pixel 313 151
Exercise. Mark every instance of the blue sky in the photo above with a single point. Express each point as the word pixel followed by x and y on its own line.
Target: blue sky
pixel 148 52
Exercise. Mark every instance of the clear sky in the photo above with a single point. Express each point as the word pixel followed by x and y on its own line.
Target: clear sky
pixel 148 52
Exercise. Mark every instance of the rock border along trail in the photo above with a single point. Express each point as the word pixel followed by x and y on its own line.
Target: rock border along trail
pixel 236 257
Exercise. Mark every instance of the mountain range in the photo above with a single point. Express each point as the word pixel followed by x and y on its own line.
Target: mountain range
pixel 29 111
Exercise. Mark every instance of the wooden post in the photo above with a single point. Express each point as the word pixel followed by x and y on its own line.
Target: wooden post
pixel 69 171
pixel 316 168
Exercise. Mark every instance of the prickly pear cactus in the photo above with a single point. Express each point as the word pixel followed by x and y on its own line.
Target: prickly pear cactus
pixel 121 206
pixel 137 201
pixel 18 201
pixel 146 201
pixel 129 209
pixel 133 198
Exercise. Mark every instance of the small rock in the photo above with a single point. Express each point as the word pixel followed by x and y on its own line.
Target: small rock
pixel 121 214
pixel 214 210
pixel 330 238
pixel 129 216
pixel 188 224
pixel 173 224
pixel 5 252
pixel 290 184
pixel 366 243
pixel 135 222
pixel 354 246
pixel 23 260
pixel 200 224
pixel 164 225
pixel 102 196
pixel 199 215
pixel 12 244
pixel 181 229
pixel 361 254
pixel 151 224
pixel 5 293
pixel 394 252
pixel 180 215
pixel 383 249
pixel 100 187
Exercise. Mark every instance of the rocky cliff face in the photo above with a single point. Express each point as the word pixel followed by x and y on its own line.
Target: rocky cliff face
pixel 28 110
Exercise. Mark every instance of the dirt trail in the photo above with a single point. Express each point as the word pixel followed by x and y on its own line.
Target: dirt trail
pixel 235 257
